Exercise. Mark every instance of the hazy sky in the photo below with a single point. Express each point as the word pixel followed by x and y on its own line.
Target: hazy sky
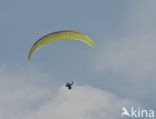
pixel 120 71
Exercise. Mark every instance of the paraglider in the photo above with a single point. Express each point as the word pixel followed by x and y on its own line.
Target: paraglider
pixel 60 35
pixel 69 85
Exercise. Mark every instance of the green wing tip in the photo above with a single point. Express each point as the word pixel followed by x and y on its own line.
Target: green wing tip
pixel 29 57
pixel 93 45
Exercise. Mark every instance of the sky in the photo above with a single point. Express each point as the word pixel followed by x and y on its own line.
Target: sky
pixel 120 71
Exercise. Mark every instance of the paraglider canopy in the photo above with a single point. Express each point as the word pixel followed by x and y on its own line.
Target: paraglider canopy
pixel 60 35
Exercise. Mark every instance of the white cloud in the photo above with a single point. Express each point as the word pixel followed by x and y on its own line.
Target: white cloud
pixel 131 62
pixel 82 102
pixel 21 92
pixel 131 57
pixel 23 97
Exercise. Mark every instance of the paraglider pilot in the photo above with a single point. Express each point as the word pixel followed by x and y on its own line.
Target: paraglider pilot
pixel 69 85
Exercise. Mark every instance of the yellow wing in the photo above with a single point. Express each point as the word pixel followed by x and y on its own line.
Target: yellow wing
pixel 60 35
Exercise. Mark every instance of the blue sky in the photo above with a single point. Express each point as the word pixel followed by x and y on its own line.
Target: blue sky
pixel 121 68
pixel 27 20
